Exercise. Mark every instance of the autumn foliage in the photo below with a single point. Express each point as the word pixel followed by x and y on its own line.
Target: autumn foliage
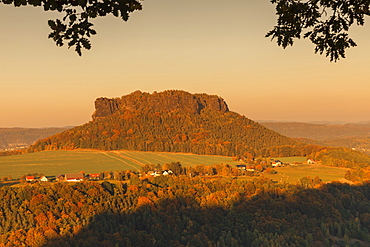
pixel 183 211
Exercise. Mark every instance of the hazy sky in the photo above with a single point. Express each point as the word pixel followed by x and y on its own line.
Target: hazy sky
pixel 216 47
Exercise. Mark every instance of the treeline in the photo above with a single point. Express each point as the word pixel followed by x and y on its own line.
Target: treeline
pixel 202 170
pixel 183 211
pixel 210 133
pixel 342 157
pixel 361 144
pixel 13 152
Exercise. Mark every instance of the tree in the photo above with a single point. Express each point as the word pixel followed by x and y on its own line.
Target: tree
pixel 175 167
pixel 75 27
pixel 327 23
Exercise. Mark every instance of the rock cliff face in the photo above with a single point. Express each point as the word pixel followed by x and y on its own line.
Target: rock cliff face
pixel 104 107
pixel 170 100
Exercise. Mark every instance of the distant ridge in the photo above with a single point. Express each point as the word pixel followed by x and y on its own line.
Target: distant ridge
pixel 316 122
pixel 19 138
pixel 320 132
pixel 171 121
pixel 355 136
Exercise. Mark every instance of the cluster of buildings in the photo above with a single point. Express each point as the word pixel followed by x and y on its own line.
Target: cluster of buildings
pixel 164 173
pixel 31 179
pixel 77 177
pixel 252 168
pixel 274 163
pixel 68 177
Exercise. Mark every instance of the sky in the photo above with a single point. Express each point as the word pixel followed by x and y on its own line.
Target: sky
pixel 215 47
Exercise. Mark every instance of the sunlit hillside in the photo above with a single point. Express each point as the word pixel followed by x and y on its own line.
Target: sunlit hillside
pixel 91 161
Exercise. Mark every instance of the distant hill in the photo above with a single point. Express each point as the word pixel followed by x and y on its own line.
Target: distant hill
pixel 354 136
pixel 18 138
pixel 172 121
pixel 319 132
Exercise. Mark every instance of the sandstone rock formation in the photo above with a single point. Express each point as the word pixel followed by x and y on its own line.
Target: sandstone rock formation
pixel 170 100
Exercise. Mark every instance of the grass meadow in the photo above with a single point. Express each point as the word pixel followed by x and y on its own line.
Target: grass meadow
pixel 292 174
pixel 53 163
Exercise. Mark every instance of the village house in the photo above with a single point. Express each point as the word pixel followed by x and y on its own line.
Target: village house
pixel 276 163
pixel 241 167
pixel 73 177
pixel 93 176
pixel 311 161
pixel 30 179
pixel 153 173
pixel 156 174
pixel 250 168
pixel 59 178
pixel 167 172
pixel 43 179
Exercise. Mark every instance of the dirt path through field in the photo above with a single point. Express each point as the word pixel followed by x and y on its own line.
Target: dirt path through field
pixel 128 158
pixel 113 154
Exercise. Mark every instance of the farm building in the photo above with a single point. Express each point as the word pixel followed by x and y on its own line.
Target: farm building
pixel 30 178
pixel 74 177
pixel 164 173
pixel 155 174
pixel 277 163
pixel 241 167
pixel 167 172
pixel 60 178
pixel 94 176
pixel 250 168
pixel 311 161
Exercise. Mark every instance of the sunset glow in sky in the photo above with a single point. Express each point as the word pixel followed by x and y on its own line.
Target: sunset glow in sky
pixel 215 47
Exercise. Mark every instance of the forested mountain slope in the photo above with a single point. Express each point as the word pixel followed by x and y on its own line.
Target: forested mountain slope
pixel 172 121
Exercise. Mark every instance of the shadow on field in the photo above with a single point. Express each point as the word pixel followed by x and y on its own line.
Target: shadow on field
pixel 334 215
pixel 9 183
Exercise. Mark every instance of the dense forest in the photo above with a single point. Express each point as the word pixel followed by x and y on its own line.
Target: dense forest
pixel 209 132
pixel 183 211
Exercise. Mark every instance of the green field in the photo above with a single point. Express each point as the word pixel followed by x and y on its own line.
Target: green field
pixel 53 163
pixel 292 174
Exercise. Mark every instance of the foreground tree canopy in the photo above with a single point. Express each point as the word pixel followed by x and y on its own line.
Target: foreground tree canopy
pixel 75 27
pixel 182 211
pixel 325 22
